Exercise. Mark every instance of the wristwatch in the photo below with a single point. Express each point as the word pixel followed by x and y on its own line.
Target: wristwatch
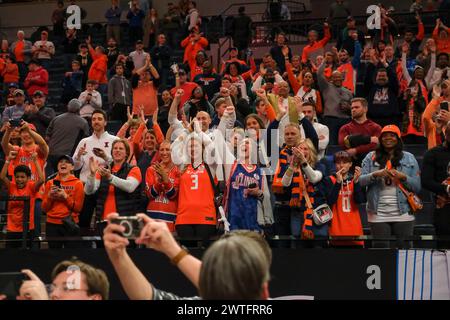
pixel 180 255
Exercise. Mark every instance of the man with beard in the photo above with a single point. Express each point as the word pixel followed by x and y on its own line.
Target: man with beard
pixel 98 146
pixel 360 136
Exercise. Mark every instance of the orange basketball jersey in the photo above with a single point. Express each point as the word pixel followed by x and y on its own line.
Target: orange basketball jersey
pixel 196 198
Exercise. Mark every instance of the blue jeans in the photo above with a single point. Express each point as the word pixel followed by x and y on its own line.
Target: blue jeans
pixel 297 220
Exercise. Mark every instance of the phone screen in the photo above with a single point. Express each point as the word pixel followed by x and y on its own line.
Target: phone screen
pixel 444 105
pixel 10 283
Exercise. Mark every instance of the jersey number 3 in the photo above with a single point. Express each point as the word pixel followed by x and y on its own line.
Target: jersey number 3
pixel 194 182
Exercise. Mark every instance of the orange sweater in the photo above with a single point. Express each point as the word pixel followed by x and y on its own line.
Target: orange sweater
pixel 191 49
pixel 442 45
pixel 310 48
pixel 99 67
pixel 11 73
pixel 58 209
pixel 429 125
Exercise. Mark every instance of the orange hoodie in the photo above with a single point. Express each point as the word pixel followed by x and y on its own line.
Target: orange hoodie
pixel 59 209
pixel 443 45
pixel 98 68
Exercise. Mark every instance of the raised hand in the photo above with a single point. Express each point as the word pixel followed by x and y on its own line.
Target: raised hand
pixel 93 165
pixel 82 151
pixel 405 47
pixel 357 174
pixel 298 104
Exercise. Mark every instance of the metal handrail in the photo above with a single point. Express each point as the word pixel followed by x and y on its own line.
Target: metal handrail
pixel 26 215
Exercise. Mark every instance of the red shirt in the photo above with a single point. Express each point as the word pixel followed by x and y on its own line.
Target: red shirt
pixel 188 87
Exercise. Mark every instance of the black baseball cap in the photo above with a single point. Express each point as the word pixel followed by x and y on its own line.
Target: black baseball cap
pixel 38 93
pixel 181 71
pixel 66 157
pixel 139 42
pixel 13 85
pixel 350 18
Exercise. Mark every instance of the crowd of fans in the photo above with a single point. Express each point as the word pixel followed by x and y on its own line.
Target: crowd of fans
pixel 242 147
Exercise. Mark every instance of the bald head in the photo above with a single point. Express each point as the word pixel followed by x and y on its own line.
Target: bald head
pixel 283 89
pixel 337 78
pixel 204 119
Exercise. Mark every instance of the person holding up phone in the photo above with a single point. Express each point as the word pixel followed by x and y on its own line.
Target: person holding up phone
pixel 344 195
pixel 17 110
pixel 94 284
pixel 435 117
pixel 63 199
pixel 21 185
pixel 116 187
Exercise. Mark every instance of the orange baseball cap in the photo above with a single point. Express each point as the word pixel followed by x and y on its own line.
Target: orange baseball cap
pixel 391 128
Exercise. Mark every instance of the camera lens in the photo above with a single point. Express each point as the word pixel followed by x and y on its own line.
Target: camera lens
pixel 128 228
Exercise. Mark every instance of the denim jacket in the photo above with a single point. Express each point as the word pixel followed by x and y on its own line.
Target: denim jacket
pixel 408 166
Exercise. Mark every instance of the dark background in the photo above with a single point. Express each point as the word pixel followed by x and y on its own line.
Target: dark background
pixel 322 273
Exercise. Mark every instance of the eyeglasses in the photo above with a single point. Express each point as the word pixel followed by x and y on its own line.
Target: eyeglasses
pixel 64 288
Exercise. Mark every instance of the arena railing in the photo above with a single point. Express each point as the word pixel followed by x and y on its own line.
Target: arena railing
pixel 25 217
pixel 418 241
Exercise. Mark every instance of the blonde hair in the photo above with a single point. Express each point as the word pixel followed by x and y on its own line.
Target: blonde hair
pixel 313 158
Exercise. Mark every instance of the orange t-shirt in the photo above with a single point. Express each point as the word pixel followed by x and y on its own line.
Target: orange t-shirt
pixel 18 51
pixel 24 158
pixel 15 208
pixel 188 87
pixel 110 202
pixel 346 219
pixel 196 198
pixel 146 95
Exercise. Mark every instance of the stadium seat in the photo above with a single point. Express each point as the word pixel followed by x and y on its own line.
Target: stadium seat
pixel 113 127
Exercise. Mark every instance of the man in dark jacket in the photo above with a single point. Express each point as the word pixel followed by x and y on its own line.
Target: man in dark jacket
pixel 241 29
pixel 436 178
pixel 161 55
pixel 381 88
pixel 119 94
pixel 64 133
pixel 38 114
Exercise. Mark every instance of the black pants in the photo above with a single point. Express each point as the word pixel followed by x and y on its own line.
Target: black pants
pixel 442 225
pixel 16 236
pixel 58 230
pixel 135 34
pixel 282 227
pixel 387 229
pixel 89 204
pixel 119 112
pixel 413 139
pixel 334 124
pixel 191 231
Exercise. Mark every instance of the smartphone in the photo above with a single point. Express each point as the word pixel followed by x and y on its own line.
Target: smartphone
pixel 444 105
pixel 133 226
pixel 15 122
pixel 252 185
pixel 57 183
pixel 135 116
pixel 10 283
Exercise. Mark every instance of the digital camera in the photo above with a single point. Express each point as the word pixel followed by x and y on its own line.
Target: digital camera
pixel 133 226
